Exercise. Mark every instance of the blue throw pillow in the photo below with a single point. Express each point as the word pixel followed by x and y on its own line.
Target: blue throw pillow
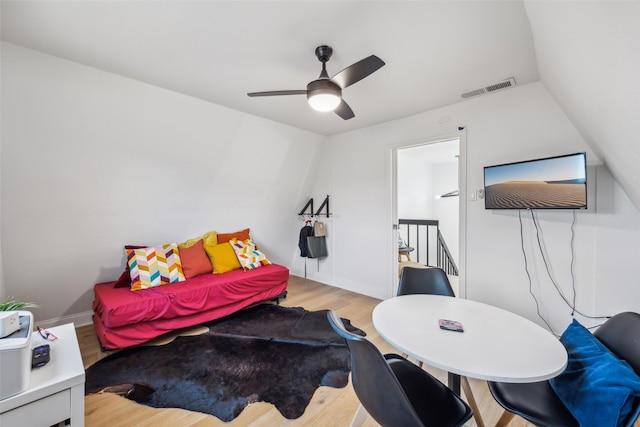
pixel 599 389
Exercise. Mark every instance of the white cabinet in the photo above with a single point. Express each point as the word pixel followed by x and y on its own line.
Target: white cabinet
pixel 56 390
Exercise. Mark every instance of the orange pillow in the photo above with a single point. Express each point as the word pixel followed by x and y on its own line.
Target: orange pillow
pixel 195 260
pixel 241 235
pixel 223 258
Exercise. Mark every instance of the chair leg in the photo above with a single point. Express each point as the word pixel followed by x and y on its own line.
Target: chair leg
pixel 464 382
pixel 359 417
pixel 505 419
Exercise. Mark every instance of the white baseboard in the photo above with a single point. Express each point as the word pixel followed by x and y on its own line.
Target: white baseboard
pixel 361 288
pixel 79 319
pixel 319 279
pixel 357 287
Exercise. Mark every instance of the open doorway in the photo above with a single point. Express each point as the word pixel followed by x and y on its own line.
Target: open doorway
pixel 427 205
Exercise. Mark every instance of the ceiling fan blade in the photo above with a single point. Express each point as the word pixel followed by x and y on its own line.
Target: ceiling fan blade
pixel 358 71
pixel 278 93
pixel 344 111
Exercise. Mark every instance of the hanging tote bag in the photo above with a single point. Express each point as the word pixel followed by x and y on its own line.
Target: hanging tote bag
pixel 318 229
pixel 317 246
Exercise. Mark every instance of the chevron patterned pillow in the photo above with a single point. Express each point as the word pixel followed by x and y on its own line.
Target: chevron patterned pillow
pixel 154 266
pixel 248 253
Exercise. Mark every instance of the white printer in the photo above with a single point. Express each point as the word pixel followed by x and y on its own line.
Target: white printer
pixel 15 357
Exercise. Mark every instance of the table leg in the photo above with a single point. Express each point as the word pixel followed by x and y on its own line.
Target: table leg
pixel 472 401
pixel 359 417
pixel 454 383
pixel 505 419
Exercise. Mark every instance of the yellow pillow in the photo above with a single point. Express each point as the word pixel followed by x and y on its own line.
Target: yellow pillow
pixel 223 258
pixel 210 238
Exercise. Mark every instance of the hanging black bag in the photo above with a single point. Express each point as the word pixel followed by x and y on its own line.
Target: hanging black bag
pixel 305 232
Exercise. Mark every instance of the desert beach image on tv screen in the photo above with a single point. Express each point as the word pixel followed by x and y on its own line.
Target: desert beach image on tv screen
pixel 554 183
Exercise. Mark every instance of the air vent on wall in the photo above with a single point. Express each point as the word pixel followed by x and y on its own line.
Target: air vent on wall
pixel 490 88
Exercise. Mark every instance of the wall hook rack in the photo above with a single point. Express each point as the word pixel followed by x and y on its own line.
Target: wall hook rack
pixel 322 206
pixel 309 205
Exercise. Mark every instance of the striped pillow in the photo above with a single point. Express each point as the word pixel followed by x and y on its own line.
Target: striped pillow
pixel 248 253
pixel 154 266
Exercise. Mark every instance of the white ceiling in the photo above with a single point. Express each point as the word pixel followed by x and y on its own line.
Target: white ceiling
pixel 220 50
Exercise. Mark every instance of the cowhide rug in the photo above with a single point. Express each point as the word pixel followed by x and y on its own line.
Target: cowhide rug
pixel 267 353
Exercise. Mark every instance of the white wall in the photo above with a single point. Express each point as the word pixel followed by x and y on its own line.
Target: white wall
pixel 415 187
pixel 515 124
pixel 3 293
pixel 92 161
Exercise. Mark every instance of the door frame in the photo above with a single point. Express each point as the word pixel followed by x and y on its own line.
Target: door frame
pixel 462 204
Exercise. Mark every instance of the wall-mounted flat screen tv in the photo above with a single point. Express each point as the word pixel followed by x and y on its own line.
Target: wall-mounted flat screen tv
pixel 550 183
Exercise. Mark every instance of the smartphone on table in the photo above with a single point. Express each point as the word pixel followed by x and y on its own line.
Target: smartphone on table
pixel 450 325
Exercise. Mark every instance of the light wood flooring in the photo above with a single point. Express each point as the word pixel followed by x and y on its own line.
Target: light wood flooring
pixel 329 407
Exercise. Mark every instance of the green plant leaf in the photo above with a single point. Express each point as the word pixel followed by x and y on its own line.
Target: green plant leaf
pixel 10 304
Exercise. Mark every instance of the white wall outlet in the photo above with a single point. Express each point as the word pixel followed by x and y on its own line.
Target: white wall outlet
pixel 480 194
pixel 472 195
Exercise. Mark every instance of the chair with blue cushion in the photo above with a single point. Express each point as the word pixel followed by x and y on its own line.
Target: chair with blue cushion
pixel 593 370
pixel 394 391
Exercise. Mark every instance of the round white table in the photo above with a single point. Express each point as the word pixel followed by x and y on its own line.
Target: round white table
pixel 496 345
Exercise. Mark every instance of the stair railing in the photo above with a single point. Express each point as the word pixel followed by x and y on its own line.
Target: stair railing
pixel 425 237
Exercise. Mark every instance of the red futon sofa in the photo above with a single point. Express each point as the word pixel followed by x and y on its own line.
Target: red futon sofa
pixel 123 317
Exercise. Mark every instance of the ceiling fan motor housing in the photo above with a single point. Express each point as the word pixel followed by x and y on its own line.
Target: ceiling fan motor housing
pixel 324 53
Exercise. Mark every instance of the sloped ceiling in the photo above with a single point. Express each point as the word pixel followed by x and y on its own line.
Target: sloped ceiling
pixel 220 50
pixel 588 55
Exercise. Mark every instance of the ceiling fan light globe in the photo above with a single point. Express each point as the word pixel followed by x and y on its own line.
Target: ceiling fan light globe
pixel 324 95
pixel 324 101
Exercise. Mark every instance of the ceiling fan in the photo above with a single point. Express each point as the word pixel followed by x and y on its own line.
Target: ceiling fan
pixel 325 94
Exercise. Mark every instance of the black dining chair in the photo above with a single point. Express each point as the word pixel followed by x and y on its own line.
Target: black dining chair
pixel 434 281
pixel 431 280
pixel 394 391
pixel 538 403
